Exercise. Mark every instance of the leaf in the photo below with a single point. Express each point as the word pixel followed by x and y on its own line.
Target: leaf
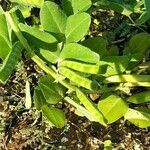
pixel 3 27
pixel 36 3
pixel 37 33
pixel 36 37
pixel 145 16
pixel 113 108
pixel 54 115
pixel 78 52
pixel 80 6
pixel 97 44
pixel 81 109
pixel 91 107
pixel 51 55
pixel 139 98
pixel 67 7
pixel 53 19
pixel 10 62
pixel 116 64
pixel 38 98
pixel 5 47
pixel 28 101
pixel 139 118
pixel 147 5
pixel 116 6
pixel 138 46
pixel 77 27
pixel 49 91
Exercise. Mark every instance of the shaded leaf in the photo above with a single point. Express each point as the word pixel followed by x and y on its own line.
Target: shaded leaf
pixel 139 98
pixel 10 62
pixel 38 98
pixel 49 91
pixel 116 64
pixel 54 115
pixel 97 44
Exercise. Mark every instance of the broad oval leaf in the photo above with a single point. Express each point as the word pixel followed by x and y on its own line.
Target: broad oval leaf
pixel 77 27
pixel 113 108
pixel 53 19
pixel 138 118
pixel 78 52
pixel 139 98
pixel 54 115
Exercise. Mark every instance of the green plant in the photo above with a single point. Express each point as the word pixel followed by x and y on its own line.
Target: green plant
pixel 75 69
pixel 127 8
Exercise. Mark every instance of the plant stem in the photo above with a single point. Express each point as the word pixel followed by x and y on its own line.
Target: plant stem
pixel 14 25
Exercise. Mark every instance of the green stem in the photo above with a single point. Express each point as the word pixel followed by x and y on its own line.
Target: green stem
pixel 13 23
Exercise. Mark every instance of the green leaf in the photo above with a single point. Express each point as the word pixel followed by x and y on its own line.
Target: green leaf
pixel 116 64
pixel 116 6
pixel 147 5
pixel 36 37
pixel 77 27
pixel 53 19
pixel 78 52
pixel 138 46
pixel 67 7
pixel 145 16
pixel 36 3
pixel 113 108
pixel 5 47
pixel 49 90
pixel 97 44
pixel 54 115
pixel 10 62
pixel 80 6
pixel 51 55
pixel 81 109
pixel 139 98
pixel 38 98
pixel 4 27
pixel 89 105
pixel 139 118
pixel 75 6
